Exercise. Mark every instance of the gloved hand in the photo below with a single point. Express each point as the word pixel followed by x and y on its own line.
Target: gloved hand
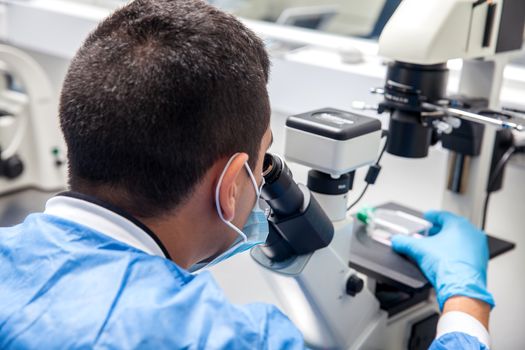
pixel 454 257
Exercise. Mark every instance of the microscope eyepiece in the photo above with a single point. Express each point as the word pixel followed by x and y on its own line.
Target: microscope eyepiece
pixel 272 166
pixel 280 190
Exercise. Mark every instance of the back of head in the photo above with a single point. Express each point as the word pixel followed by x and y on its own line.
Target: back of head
pixel 159 92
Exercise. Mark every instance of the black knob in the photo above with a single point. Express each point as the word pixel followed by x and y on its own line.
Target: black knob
pixel 354 285
pixel 12 167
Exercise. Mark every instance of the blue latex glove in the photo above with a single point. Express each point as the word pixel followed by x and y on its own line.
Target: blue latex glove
pixel 454 258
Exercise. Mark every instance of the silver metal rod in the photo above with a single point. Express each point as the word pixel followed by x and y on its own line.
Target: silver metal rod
pixel 474 117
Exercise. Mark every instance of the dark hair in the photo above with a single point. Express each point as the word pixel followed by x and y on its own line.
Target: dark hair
pixel 158 93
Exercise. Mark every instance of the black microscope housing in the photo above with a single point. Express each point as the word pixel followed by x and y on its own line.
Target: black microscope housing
pixel 407 86
pixel 298 225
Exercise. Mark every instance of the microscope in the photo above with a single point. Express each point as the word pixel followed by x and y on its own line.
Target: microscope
pixel 314 245
pixel 31 148
pixel 341 288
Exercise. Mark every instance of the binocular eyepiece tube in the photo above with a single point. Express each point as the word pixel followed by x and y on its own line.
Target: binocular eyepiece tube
pixel 280 190
pixel 298 224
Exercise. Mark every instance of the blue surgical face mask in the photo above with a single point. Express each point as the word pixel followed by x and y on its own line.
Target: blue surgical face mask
pixel 254 232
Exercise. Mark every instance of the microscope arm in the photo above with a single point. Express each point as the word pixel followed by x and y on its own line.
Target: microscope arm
pixel 440 30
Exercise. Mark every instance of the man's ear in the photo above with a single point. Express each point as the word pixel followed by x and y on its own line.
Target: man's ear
pixel 231 182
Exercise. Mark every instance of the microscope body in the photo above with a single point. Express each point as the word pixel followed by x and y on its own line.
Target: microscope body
pixel 306 258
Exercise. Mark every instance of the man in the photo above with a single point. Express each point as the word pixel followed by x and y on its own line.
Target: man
pixel 166 116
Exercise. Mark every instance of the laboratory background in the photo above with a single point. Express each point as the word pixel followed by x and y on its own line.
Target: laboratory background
pixel 455 116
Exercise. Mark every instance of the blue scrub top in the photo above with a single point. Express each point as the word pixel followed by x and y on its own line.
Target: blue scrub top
pixel 64 285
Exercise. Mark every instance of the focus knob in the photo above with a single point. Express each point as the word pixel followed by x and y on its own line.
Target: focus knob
pixel 354 285
pixel 12 167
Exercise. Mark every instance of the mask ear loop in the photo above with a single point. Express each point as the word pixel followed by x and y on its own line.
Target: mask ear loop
pixel 254 182
pixel 217 200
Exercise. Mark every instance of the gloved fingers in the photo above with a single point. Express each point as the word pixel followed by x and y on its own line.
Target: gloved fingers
pixel 406 245
pixel 438 218
pixel 434 230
